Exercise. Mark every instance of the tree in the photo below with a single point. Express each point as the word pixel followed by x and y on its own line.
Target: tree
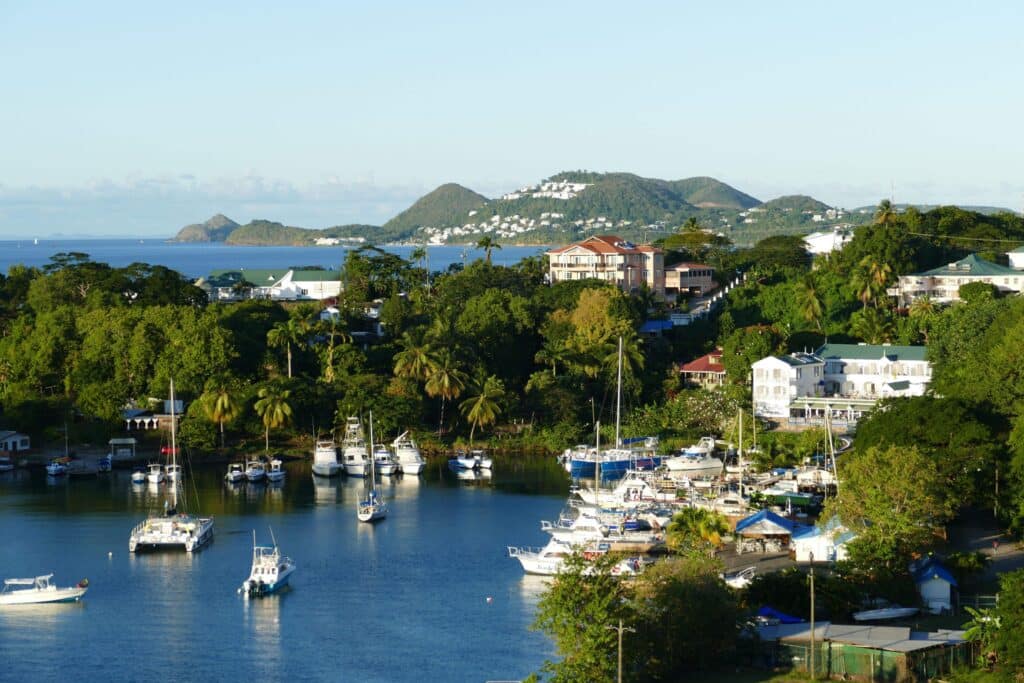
pixel 893 499
pixel 488 244
pixel 289 333
pixel 885 214
pixel 696 530
pixel 871 325
pixel 483 407
pixel 273 407
pixel 336 336
pixel 416 359
pixel 219 402
pixel 445 381
pixel 1009 613
pixel 808 300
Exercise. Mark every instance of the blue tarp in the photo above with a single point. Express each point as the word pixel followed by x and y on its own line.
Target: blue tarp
pixel 652 326
pixel 783 618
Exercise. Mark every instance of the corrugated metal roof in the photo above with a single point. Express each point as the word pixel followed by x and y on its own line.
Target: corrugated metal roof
pixel 872 352
pixel 971 266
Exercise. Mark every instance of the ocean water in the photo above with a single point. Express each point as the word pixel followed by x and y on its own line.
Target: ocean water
pixel 198 259
pixel 428 594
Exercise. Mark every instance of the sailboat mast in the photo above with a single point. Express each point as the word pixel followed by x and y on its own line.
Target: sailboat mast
pixel 618 396
pixel 597 460
pixel 174 449
pixel 372 483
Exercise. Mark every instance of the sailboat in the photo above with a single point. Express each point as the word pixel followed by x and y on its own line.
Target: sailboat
pixel 371 508
pixel 172 530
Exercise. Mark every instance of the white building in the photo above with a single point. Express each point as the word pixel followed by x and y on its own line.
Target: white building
pixel 942 285
pixel 826 543
pixel 12 442
pixel 1016 258
pixel 827 241
pixel 844 379
pixel 277 285
pixel 610 258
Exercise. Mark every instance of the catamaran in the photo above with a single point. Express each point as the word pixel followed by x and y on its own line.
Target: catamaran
pixel 270 571
pixel 39 590
pixel 408 454
pixel 370 507
pixel 172 530
pixel 353 448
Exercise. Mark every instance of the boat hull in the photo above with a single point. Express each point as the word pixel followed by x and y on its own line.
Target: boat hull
pixel 611 470
pixel 42 597
pixel 357 469
pixel 327 469
pixel 412 468
pixel 259 589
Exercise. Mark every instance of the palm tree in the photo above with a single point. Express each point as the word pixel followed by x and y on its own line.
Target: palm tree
pixel 863 286
pixel 871 325
pixel 289 333
pixel 446 380
pixel 808 300
pixel 336 334
pixel 418 255
pixel 484 407
pixel 487 244
pixel 416 359
pixel 878 275
pixel 691 225
pixel 273 407
pixel 219 402
pixel 696 530
pixel 885 214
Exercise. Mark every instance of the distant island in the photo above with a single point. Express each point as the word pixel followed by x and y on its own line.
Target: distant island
pixel 563 208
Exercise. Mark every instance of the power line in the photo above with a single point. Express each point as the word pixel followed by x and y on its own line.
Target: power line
pixel 974 239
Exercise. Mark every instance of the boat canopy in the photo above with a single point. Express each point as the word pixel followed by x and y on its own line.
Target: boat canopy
pixel 28 582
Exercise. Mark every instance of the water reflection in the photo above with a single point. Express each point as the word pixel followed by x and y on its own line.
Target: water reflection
pixel 531 587
pixel 263 621
pixel 325 490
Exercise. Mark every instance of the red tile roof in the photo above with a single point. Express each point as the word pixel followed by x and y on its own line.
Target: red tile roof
pixel 607 244
pixel 711 362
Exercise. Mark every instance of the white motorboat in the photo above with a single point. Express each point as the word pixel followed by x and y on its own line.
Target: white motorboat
pixel 694 465
pixel 155 473
pixel 740 579
pixel 462 461
pixel 57 467
pixel 173 472
pixel 408 454
pixel 353 449
pixel 139 475
pixel 254 470
pixel 325 459
pixel 39 590
pixel 894 612
pixel 371 508
pixel 384 462
pixel 550 559
pixel 235 473
pixel 635 487
pixel 482 460
pixel 270 570
pixel 276 471
pixel 173 529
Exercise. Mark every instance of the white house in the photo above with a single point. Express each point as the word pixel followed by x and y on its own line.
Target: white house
pixel 942 285
pixel 287 284
pixel 13 441
pixel 1016 258
pixel 844 380
pixel 827 241
pixel 934 583
pixel 825 544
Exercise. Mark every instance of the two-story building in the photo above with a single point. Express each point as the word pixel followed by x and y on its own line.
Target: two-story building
pixel 689 279
pixel 706 371
pixel 610 258
pixel 841 380
pixel 942 285
pixel 285 284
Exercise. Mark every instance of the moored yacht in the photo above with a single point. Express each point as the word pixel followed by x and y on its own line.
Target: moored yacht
pixel 384 462
pixel 254 470
pixel 57 467
pixel 270 570
pixel 371 508
pixel 276 471
pixel 550 559
pixel 139 475
pixel 173 472
pixel 462 461
pixel 155 473
pixel 325 459
pixel 235 473
pixel 353 448
pixel 483 461
pixel 408 454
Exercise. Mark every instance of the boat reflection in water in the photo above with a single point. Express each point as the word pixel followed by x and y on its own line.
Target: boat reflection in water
pixel 472 475
pixel 325 491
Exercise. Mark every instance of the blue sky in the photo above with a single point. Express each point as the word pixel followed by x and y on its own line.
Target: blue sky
pixel 126 118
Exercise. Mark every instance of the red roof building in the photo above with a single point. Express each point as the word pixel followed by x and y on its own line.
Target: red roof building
pixel 610 258
pixel 706 371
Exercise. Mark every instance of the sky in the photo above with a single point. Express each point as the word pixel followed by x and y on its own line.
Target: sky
pixel 127 118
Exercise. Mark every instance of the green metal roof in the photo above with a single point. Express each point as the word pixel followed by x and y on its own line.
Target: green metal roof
pixel 872 352
pixel 1018 250
pixel 267 277
pixel 971 266
pixel 316 276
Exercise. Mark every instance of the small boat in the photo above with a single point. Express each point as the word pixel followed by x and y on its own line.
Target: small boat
pixel 155 473
pixel 276 471
pixel 173 472
pixel 39 590
pixel 481 458
pixel 408 454
pixel 254 470
pixel 462 461
pixel 57 467
pixel 549 560
pixel 384 462
pixel 740 579
pixel 370 507
pixel 270 571
pixel 235 473
pixel 325 459
pixel 894 612
pixel 139 475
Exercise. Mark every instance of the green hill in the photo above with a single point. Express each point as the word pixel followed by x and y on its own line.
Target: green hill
pixel 448 205
pixel 216 229
pixel 796 203
pixel 270 233
pixel 706 193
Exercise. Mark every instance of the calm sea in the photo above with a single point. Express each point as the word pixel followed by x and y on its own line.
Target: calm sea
pixel 426 595
pixel 196 260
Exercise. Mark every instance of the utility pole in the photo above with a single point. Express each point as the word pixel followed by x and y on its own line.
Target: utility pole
pixel 620 629
pixel 811 557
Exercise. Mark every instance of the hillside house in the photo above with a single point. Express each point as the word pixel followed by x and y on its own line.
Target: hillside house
pixel 827 241
pixel 942 285
pixel 689 279
pixel 12 442
pixel 844 380
pixel 610 258
pixel 706 371
pixel 1016 258
pixel 286 284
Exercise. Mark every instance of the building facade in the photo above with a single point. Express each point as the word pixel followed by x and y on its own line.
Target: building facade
pixel 706 371
pixel 286 284
pixel 942 285
pixel 612 259
pixel 689 279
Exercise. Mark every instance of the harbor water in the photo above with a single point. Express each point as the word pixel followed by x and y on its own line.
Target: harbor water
pixel 426 595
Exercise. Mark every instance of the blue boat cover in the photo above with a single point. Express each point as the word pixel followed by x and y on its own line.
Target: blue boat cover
pixel 783 618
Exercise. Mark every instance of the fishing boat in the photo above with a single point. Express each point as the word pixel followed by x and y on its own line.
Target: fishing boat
pixel 40 590
pixel 173 472
pixel 483 461
pixel 408 454
pixel 325 459
pixel 371 507
pixel 270 571
pixel 254 470
pixel 173 529
pixel 894 612
pixel 276 471
pixel 384 462
pixel 462 461
pixel 139 475
pixel 57 467
pixel 235 473
pixel 353 448
pixel 155 473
